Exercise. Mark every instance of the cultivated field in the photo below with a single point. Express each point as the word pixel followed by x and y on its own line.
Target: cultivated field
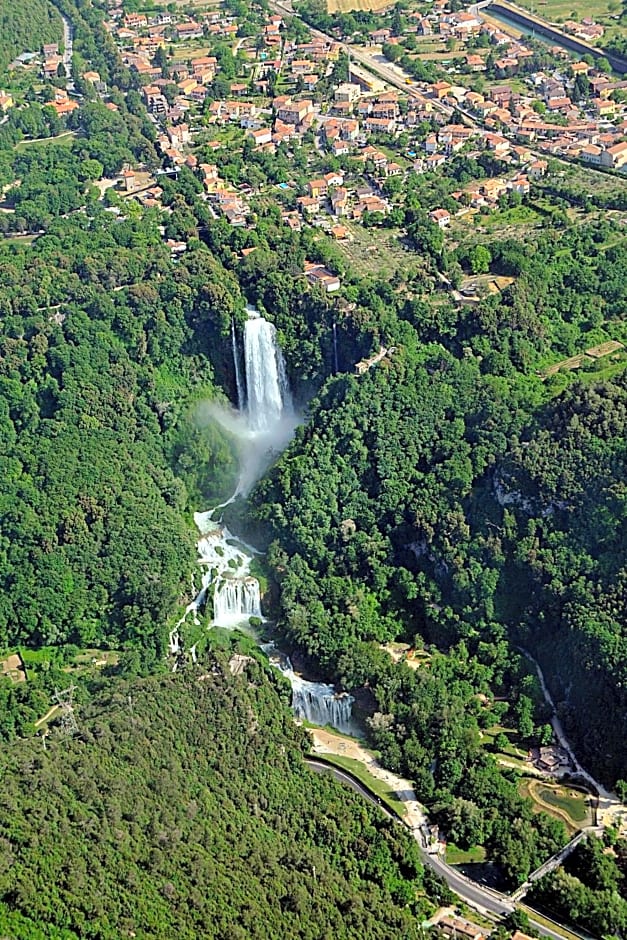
pixel 346 6
pixel 376 252
pixel 557 11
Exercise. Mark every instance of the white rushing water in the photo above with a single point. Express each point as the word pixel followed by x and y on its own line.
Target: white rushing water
pixel 315 702
pixel 267 388
pixel 235 599
pixel 226 561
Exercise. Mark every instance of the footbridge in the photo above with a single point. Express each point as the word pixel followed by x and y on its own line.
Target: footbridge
pixel 552 863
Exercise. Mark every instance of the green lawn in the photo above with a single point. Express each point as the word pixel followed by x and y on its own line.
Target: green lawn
pixel 358 770
pixel 573 802
pixel 558 928
pixel 516 216
pixel 512 750
pixel 62 140
pixel 564 801
pixel 20 239
pixel 456 856
pixel 609 371
pixel 557 11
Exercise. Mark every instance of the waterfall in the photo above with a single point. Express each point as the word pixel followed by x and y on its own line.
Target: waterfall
pixel 316 702
pixel 266 379
pixel 241 394
pixel 235 600
pixel 321 705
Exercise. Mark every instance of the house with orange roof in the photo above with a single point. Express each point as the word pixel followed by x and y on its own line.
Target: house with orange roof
pixel 64 107
pixel 615 157
pixel 441 217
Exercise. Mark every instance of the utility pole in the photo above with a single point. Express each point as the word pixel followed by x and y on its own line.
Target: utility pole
pixel 65 700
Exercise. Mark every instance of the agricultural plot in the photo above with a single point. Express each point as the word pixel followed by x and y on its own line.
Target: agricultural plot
pixel 557 11
pixel 376 252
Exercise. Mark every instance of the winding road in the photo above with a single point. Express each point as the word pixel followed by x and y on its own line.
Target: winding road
pixel 68 48
pixel 610 812
pixel 481 898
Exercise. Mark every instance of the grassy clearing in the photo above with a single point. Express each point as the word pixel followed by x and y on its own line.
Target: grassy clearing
pixel 20 239
pixel 609 372
pixel 565 802
pixel 191 49
pixel 357 769
pixel 585 180
pixel 557 11
pixel 91 659
pixel 516 216
pixel 376 252
pixel 512 750
pixel 456 856
pixel 573 802
pixel 546 922
pixel 61 140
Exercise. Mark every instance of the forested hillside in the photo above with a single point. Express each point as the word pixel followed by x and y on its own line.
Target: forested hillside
pixel 184 809
pixel 25 27
pixel 101 361
pixel 570 467
pixel 452 495
pixel 462 495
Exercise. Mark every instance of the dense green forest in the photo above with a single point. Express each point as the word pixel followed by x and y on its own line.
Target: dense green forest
pixel 25 27
pixel 102 355
pixel 589 890
pixel 453 496
pixel 183 808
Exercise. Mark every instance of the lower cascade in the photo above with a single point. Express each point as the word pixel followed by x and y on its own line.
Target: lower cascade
pixel 315 702
pixel 321 705
pixel 234 600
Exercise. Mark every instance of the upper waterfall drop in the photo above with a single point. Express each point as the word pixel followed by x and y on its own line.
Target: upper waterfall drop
pixel 267 388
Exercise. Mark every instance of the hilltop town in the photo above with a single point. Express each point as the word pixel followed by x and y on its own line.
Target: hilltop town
pixel 342 128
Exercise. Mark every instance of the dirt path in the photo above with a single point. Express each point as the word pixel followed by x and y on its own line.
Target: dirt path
pixel 51 711
pixel 324 742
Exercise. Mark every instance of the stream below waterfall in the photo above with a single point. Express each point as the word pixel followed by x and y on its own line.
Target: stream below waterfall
pixel 263 425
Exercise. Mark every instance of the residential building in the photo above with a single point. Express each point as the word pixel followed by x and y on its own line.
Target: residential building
pixel 441 217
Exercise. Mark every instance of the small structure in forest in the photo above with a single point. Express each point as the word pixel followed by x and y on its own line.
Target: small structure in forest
pixel 13 668
pixel 365 364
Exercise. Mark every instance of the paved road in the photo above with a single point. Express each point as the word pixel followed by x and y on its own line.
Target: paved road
pixel 68 51
pixel 391 74
pixel 68 48
pixel 477 896
pixel 468 890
